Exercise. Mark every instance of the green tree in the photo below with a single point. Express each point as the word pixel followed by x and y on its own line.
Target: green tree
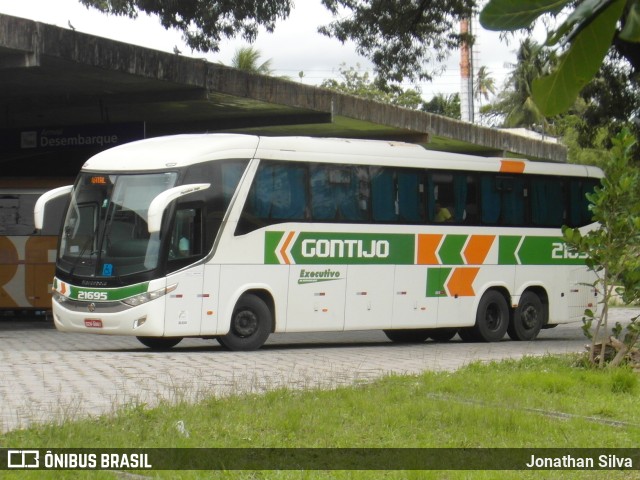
pixel 446 105
pixel 484 85
pixel 611 99
pixel 204 22
pixel 613 249
pixel 589 30
pixel 362 85
pixel 402 38
pixel 515 103
pixel 248 59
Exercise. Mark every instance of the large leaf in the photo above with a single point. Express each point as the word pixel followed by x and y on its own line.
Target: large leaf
pixel 631 30
pixel 516 14
pixel 555 93
pixel 580 18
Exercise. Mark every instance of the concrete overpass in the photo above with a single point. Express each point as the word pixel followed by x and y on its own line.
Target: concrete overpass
pixel 54 78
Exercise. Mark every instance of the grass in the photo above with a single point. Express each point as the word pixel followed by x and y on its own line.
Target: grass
pixel 531 403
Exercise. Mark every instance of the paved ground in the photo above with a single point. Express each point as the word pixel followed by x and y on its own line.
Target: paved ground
pixel 47 375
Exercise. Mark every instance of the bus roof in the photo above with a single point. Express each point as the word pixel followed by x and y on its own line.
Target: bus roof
pixel 161 153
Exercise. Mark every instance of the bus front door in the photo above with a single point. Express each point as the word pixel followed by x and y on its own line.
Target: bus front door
pixel 183 308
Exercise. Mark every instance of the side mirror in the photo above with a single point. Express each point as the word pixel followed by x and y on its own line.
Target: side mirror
pixel 160 203
pixel 41 203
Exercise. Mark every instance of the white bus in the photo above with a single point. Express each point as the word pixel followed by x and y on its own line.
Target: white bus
pixel 234 237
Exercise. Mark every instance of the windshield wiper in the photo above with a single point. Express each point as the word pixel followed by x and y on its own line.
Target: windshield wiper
pixel 84 249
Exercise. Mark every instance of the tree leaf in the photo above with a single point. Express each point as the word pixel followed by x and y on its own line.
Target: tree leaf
pixel 584 13
pixel 516 14
pixel 631 30
pixel 555 93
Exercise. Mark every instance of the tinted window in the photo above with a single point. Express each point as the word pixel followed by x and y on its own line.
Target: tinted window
pixel 503 200
pixel 547 202
pixel 397 195
pixel 339 193
pixel 301 192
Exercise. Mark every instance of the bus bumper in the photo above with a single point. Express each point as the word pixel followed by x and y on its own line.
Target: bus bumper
pixel 143 320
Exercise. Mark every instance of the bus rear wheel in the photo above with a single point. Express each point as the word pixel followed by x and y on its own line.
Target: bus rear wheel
pixel 492 317
pixel 528 318
pixel 408 336
pixel 251 325
pixel 159 343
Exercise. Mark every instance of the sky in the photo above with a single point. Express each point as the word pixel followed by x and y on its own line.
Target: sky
pixel 294 46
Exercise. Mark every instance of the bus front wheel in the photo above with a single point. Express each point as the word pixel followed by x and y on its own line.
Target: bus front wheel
pixel 251 324
pixel 492 317
pixel 442 335
pixel 528 318
pixel 159 343
pixel 407 336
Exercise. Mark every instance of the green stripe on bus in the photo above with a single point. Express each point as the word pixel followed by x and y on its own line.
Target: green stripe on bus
pixel 435 281
pixel 507 245
pixel 271 241
pixel 112 294
pixel 547 251
pixel 327 248
pixel 450 252
pixel 532 250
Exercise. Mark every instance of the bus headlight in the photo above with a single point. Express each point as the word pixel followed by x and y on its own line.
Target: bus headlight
pixel 58 297
pixel 148 296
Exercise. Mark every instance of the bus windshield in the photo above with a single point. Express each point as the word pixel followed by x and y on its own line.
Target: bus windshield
pixel 105 232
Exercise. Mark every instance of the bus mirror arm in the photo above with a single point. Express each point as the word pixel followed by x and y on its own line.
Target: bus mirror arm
pixel 41 203
pixel 160 203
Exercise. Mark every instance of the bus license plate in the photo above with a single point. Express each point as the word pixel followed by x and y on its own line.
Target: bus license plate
pixel 92 323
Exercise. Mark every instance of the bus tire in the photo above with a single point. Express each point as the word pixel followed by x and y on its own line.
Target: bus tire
pixel 442 335
pixel 492 317
pixel 528 318
pixel 468 335
pixel 408 336
pixel 159 343
pixel 251 325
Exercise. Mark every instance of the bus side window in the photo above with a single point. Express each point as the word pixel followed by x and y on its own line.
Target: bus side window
pixel 396 195
pixel 278 194
pixel 339 193
pixel 450 196
pixel 579 213
pixel 410 193
pixel 503 200
pixel 547 202
pixel 186 238
pixel 384 197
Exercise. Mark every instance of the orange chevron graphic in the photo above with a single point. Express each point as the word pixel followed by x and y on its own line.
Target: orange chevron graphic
pixel 285 246
pixel 427 247
pixel 461 282
pixel 477 249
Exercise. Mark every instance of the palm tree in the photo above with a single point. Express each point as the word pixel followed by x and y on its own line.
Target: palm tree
pixel 485 84
pixel 515 102
pixel 247 58
pixel 483 87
